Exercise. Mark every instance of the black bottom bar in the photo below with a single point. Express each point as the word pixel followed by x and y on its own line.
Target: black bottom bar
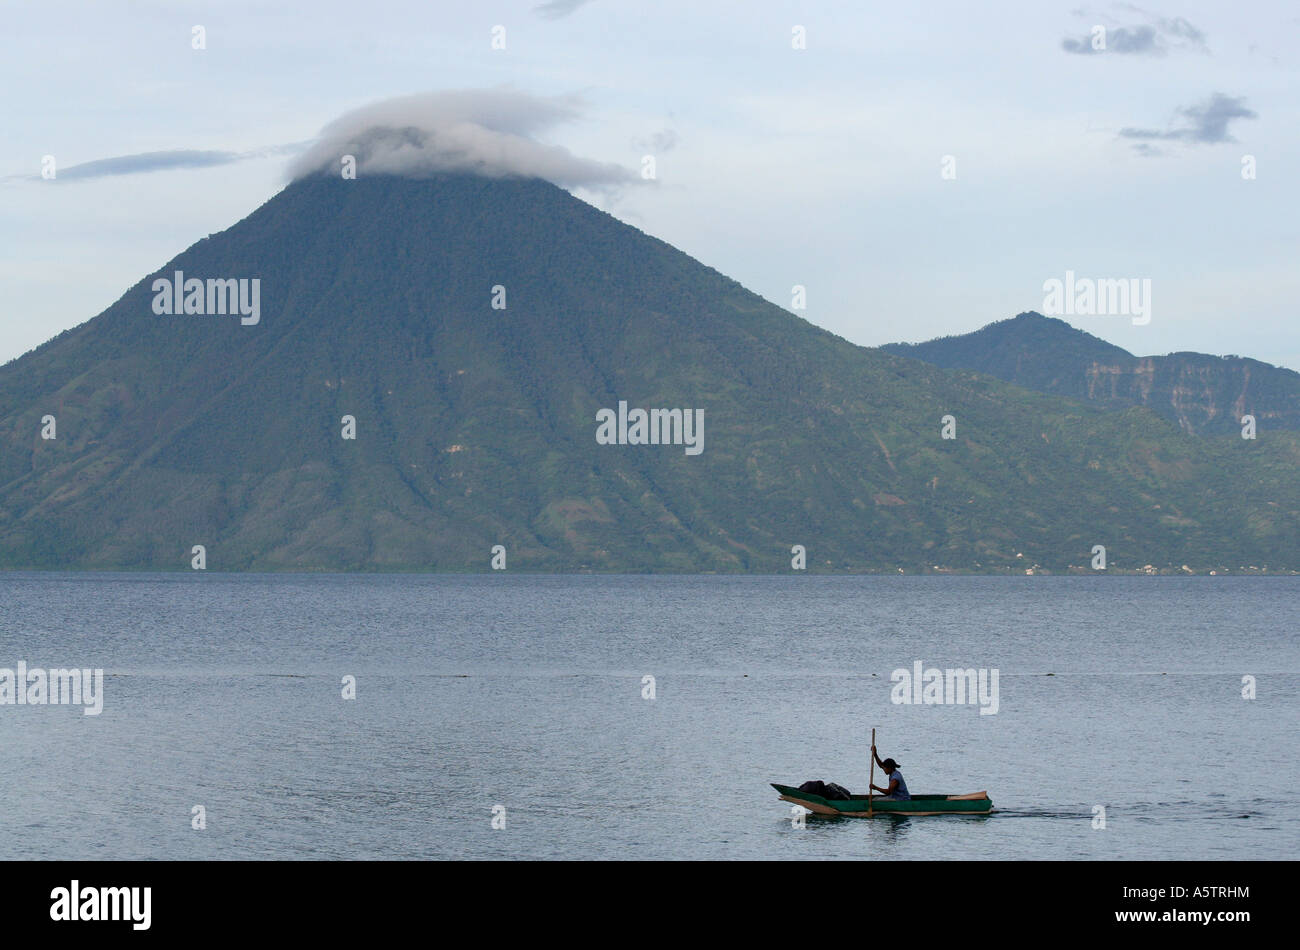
pixel 978 900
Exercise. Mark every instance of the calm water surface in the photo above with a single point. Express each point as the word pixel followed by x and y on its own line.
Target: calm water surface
pixel 526 692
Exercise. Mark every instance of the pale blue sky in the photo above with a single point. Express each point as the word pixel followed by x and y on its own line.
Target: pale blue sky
pixel 818 167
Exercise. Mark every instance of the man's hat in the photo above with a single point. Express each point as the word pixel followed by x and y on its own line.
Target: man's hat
pixel 889 764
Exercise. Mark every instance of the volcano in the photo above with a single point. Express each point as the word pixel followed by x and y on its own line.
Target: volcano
pixel 472 335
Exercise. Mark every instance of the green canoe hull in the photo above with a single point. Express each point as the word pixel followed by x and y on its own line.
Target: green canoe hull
pixel 977 803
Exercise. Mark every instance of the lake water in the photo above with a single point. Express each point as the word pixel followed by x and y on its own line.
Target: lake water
pixel 526 692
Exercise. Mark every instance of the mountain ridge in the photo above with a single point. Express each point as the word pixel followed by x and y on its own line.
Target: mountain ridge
pixel 1201 393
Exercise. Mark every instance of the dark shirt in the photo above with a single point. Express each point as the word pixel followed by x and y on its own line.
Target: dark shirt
pixel 901 792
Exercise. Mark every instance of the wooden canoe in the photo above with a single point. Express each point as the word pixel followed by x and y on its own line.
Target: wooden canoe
pixel 975 803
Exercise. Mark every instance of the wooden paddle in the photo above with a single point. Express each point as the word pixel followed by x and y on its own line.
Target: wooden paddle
pixel 872 773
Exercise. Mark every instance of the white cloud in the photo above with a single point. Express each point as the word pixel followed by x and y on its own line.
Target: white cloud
pixel 485 131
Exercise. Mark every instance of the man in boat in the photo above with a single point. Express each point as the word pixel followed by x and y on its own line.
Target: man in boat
pixel 897 790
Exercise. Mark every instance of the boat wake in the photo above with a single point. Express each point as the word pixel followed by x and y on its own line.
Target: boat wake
pixel 1187 810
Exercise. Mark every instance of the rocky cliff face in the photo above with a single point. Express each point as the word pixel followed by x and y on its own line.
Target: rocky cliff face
pixel 1203 394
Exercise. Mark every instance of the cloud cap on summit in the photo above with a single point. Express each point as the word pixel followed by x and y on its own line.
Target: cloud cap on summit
pixel 488 132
